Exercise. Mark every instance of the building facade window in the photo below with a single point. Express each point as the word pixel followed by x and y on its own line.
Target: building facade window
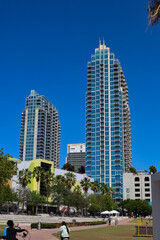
pixel 137 179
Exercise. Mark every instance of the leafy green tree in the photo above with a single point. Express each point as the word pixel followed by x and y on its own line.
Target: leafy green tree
pixel 137 207
pixel 85 184
pixel 81 169
pixel 23 196
pixel 101 202
pixel 7 168
pixel 95 205
pixel 59 191
pixel 70 180
pixel 69 201
pixel 152 169
pixel 95 186
pixel 7 196
pixel 37 174
pixel 80 202
pixel 108 203
pixel 34 199
pixel 132 170
pixel 68 167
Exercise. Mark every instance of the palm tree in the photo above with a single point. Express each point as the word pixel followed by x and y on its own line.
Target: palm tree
pixel 95 186
pixel 70 179
pixel 59 179
pixel 85 184
pixel 48 179
pixel 59 191
pixel 78 200
pixel 77 190
pixel 104 188
pixel 154 11
pixel 37 174
pixel 110 192
pixel 24 177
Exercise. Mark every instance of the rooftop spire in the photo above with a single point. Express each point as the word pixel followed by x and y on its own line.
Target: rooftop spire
pixel 103 41
pixel 33 93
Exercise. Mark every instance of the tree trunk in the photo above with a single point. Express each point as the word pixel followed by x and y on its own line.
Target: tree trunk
pixel 57 209
pixel 47 204
pixel 36 210
pixel 0 207
pixel 33 209
pixel 8 208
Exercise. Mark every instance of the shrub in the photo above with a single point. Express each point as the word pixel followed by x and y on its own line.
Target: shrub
pixel 97 222
pixel 70 224
pixel 44 225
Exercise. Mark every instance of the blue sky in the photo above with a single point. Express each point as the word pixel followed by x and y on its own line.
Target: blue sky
pixel 45 45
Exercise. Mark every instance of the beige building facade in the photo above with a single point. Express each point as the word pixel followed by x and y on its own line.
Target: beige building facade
pixel 137 186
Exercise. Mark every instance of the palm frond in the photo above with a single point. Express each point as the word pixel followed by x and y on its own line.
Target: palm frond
pixel 154 11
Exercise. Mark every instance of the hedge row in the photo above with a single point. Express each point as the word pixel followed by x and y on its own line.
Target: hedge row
pixel 70 224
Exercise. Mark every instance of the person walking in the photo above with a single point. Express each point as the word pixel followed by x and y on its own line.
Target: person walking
pixel 109 221
pixel 64 231
pixel 10 231
pixel 116 221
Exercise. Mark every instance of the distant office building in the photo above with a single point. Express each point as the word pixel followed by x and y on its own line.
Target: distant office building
pixel 137 186
pixel 108 132
pixel 40 130
pixel 76 155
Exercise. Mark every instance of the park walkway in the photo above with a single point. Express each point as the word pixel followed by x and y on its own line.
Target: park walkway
pixel 47 233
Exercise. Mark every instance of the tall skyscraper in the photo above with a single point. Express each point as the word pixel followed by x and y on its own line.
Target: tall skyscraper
pixel 40 130
pixel 76 155
pixel 108 133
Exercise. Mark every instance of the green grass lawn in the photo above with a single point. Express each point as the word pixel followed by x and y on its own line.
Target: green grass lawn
pixel 108 233
pixel 2 227
pixel 143 222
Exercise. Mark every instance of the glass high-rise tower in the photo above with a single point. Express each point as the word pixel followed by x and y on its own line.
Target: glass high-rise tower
pixel 108 131
pixel 40 130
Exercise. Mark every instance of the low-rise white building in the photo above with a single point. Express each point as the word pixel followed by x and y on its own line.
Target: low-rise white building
pixel 137 186
pixel 46 165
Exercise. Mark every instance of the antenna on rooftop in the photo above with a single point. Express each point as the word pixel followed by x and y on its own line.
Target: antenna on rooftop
pixel 103 41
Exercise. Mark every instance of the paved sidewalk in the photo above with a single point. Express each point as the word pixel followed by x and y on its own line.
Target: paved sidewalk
pixel 47 233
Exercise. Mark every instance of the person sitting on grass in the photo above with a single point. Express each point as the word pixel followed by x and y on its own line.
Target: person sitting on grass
pixel 10 232
pixel 64 231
